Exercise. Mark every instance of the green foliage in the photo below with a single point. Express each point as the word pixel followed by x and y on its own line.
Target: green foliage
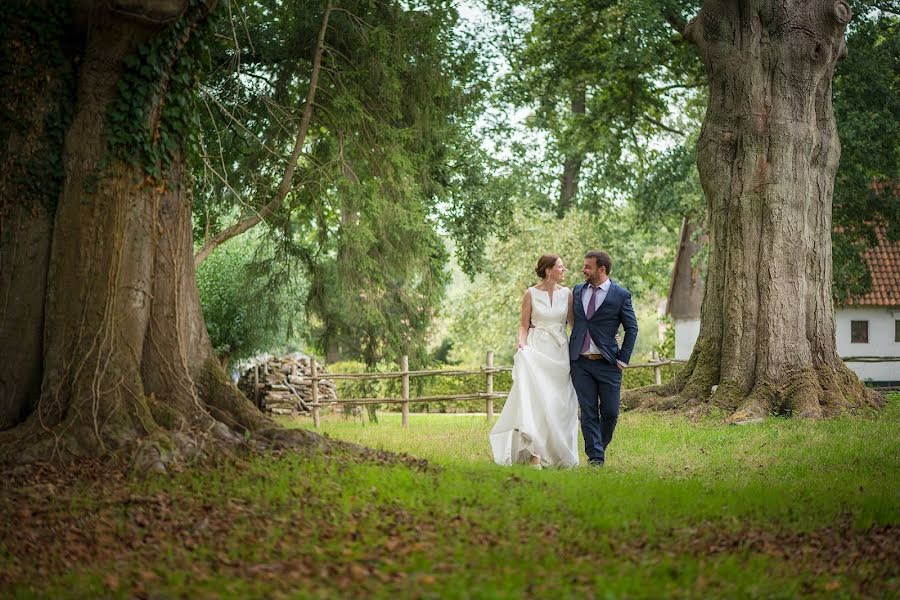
pixel 248 307
pixel 645 93
pixel 671 189
pixel 389 158
pixel 484 314
pixel 867 109
pixel 481 204
pixel 377 297
pixel 641 86
pixel 666 347
pixel 353 388
pixel 153 118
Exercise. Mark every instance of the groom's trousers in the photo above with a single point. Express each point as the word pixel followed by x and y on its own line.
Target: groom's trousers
pixel 597 384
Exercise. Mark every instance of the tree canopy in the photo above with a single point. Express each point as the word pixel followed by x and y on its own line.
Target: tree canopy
pixel 643 90
pixel 389 158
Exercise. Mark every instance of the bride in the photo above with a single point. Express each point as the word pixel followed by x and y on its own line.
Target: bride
pixel 539 421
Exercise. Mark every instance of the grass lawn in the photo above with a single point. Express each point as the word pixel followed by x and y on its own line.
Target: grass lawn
pixel 781 509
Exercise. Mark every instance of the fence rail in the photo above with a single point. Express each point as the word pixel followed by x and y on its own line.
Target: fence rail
pixel 404 374
pixel 487 370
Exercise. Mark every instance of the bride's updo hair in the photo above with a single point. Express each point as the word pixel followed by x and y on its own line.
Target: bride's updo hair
pixel 545 262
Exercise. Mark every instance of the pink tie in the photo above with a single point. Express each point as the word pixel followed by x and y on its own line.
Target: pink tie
pixel 591 309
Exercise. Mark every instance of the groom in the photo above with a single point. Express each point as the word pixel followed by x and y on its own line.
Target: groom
pixel 601 305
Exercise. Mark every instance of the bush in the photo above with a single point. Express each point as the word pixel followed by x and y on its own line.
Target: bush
pixel 350 388
pixel 246 308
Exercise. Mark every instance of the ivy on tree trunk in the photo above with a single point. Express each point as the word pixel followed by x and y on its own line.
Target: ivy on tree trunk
pixel 117 356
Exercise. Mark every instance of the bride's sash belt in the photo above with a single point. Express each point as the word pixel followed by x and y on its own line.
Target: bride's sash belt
pixel 557 332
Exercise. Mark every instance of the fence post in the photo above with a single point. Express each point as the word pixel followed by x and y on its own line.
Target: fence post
pixel 404 367
pixel 256 386
pixel 314 375
pixel 657 370
pixel 489 377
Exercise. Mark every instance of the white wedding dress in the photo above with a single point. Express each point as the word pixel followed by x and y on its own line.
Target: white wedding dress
pixel 540 416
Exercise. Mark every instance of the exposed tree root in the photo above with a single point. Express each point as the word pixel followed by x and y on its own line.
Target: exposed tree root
pixel 807 394
pixel 168 450
pixel 208 421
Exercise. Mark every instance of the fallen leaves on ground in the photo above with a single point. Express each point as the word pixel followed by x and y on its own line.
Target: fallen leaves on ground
pixel 89 516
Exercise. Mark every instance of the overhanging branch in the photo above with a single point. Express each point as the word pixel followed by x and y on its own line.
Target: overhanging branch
pixel 663 126
pixel 677 23
pixel 285 185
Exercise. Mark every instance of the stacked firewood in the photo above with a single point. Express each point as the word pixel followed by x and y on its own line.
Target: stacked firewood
pixel 281 385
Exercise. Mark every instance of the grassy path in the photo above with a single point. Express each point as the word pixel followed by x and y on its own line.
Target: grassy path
pixel 782 509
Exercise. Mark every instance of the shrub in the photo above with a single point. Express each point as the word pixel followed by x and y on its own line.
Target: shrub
pixel 246 308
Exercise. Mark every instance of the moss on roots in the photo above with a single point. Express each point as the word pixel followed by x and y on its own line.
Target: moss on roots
pixel 808 393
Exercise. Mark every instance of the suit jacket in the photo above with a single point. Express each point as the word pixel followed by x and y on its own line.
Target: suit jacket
pixel 604 324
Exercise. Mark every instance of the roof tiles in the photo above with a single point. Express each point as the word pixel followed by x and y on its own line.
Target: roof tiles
pixel 884 264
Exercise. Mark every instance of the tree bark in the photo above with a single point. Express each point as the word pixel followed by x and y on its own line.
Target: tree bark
pixel 573 160
pixel 767 156
pixel 34 98
pixel 124 361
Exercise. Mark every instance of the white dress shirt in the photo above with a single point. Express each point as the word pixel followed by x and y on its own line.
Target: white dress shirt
pixel 586 301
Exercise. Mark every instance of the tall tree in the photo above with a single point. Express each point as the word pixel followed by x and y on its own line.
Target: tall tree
pixel 767 157
pixel 867 112
pixel 607 83
pixel 389 156
pixel 98 257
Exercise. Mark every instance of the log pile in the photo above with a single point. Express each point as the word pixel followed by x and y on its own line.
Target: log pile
pixel 281 385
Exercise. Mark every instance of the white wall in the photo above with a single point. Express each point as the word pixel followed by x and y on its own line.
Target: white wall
pixel 881 341
pixel 686 332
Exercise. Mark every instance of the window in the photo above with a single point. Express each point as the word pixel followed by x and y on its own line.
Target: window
pixel 859 332
pixel 897 330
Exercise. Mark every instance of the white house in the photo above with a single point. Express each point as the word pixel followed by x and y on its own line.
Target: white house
pixel 867 328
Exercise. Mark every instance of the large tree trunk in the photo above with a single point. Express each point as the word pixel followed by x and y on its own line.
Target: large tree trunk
pixel 34 97
pixel 767 156
pixel 111 302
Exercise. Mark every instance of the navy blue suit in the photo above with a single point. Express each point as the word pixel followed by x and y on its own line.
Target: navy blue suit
pixel 598 383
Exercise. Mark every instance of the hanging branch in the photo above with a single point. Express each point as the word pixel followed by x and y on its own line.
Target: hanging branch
pixel 285 185
pixel 676 21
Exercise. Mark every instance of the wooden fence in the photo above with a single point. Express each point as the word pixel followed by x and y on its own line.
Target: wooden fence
pixel 404 374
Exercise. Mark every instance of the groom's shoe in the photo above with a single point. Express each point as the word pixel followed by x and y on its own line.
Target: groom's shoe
pixel 595 463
